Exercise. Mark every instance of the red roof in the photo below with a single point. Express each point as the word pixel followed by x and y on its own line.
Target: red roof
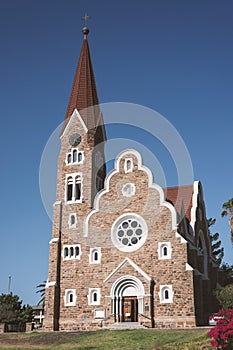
pixel 180 197
pixel 84 93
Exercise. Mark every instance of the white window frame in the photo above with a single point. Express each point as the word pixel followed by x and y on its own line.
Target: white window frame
pixel 74 176
pixel 75 220
pixel 161 246
pixel 71 154
pixel 68 292
pixel 70 247
pixel 162 291
pixel 130 169
pixel 90 296
pixel 92 253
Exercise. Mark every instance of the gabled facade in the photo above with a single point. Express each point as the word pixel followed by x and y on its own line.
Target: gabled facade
pixel 123 249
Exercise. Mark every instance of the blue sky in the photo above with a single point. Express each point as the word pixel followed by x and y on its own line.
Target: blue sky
pixel 174 57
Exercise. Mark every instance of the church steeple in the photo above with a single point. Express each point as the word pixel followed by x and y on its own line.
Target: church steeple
pixel 84 93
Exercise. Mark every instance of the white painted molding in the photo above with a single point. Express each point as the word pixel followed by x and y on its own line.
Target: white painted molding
pixel 188 267
pixel 50 284
pixel 135 266
pixel 75 114
pixel 182 239
pixel 151 184
pixel 54 240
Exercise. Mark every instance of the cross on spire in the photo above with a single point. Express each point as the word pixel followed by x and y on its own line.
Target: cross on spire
pixel 86 18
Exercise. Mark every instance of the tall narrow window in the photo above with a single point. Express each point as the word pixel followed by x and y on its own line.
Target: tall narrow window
pixel 96 257
pixel 72 220
pixel 76 251
pixel 166 294
pixel 78 187
pixel 75 156
pixel 128 167
pixel 66 252
pixel 71 298
pixel 165 251
pixel 80 157
pixel 69 158
pixel 95 298
pixel 71 251
pixel 69 188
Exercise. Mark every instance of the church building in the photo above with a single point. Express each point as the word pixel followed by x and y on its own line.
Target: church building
pixel 123 249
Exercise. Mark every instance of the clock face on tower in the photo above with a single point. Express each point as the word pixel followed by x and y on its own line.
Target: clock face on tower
pixel 75 140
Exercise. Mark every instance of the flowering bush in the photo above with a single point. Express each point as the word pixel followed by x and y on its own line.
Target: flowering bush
pixel 223 331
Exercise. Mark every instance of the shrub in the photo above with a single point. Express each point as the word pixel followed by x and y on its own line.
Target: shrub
pixel 223 330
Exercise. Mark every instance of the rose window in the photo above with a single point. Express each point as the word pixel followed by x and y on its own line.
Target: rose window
pixel 129 233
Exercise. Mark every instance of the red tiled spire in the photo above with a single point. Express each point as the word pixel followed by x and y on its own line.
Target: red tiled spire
pixel 84 93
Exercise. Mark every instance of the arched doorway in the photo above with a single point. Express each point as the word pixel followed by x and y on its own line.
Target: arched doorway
pixel 127 295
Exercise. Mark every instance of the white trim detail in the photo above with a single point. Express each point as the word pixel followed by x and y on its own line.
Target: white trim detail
pixel 94 296
pixel 128 189
pixel 95 252
pixel 136 267
pixel 72 225
pixel 188 267
pixel 54 240
pixel 76 178
pixel 164 250
pixel 166 294
pixel 128 166
pixel 150 185
pixel 50 284
pixel 71 252
pixel 74 153
pixel 56 203
pixel 194 205
pixel 70 297
pixel 75 114
pixel 182 239
pixel 118 227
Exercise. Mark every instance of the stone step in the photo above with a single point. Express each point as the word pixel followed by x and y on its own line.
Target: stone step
pixel 124 325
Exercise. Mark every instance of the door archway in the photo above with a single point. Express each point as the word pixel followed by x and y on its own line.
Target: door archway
pixel 127 294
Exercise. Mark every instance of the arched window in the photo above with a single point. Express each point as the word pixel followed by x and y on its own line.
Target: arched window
pixel 75 153
pixel 70 297
pixel 95 255
pixel 94 296
pixel 164 250
pixel 128 167
pixel 76 251
pixel 166 294
pixel 78 187
pixel 71 251
pixel 66 252
pixel 69 158
pixel 80 157
pixel 69 188
pixel 74 187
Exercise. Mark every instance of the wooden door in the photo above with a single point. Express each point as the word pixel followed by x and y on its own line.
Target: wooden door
pixel 130 309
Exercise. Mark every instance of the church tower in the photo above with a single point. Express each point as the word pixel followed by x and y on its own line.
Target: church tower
pixel 81 174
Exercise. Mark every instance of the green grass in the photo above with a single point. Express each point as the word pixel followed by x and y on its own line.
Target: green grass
pixel 142 339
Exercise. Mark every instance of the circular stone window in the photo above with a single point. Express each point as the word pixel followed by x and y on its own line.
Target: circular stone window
pixel 128 190
pixel 129 232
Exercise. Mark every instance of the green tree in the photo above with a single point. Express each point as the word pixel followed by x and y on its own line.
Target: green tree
pixel 41 289
pixel 225 296
pixel 10 307
pixel 228 211
pixel 12 311
pixel 216 249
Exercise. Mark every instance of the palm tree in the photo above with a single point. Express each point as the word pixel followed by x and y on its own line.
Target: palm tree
pixel 228 211
pixel 41 290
